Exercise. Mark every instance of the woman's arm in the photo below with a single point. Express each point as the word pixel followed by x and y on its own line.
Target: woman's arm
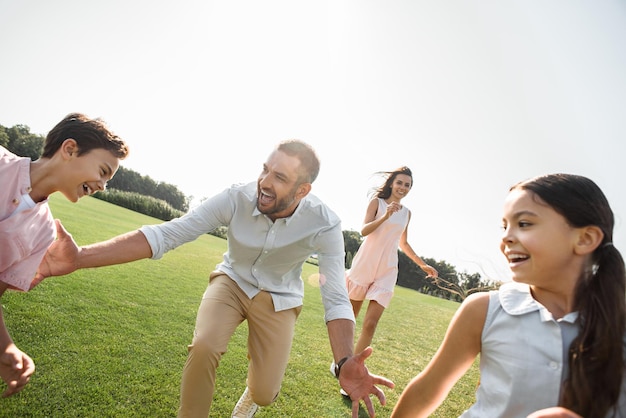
pixel 408 250
pixel 454 357
pixel 370 223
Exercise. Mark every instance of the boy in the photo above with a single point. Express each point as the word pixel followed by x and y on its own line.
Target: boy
pixel 79 156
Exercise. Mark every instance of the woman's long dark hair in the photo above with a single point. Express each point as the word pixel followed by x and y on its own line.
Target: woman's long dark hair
pixel 596 359
pixel 384 191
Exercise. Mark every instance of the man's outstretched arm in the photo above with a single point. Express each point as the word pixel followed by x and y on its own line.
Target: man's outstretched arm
pixel 354 376
pixel 64 256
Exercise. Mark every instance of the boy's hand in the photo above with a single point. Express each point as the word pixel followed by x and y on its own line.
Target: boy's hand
pixel 15 369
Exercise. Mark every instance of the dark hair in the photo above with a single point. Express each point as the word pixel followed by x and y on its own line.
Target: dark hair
pixel 306 154
pixel 384 191
pixel 596 360
pixel 89 134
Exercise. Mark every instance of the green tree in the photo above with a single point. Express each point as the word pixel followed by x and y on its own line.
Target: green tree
pixel 131 181
pixel 127 180
pixel 461 285
pixel 4 137
pixel 24 143
pixel 172 195
pixel 352 241
pixel 412 276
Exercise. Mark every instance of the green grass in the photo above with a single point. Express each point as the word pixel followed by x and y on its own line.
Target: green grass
pixel 112 342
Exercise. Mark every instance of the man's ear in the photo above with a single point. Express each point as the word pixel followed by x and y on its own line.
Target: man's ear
pixel 303 190
pixel 69 147
pixel 588 239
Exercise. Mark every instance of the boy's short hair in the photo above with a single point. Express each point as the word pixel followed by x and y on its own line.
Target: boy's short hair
pixel 88 133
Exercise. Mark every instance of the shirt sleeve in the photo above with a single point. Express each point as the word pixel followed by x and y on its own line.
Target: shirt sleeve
pixel 212 213
pixel 332 275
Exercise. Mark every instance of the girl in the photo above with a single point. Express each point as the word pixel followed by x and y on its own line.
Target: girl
pixel 374 270
pixel 555 335
pixel 80 155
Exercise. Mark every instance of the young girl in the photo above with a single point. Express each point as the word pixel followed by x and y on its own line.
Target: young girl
pixel 80 155
pixel 374 270
pixel 555 335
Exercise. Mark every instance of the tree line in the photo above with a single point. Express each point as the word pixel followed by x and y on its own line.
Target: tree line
pixel 164 201
pixel 127 188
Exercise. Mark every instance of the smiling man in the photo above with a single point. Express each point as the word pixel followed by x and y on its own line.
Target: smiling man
pixel 274 225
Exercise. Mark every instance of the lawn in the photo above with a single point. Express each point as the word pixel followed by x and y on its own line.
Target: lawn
pixel 111 342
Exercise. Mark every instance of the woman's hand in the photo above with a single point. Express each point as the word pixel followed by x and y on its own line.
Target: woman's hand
pixel 429 270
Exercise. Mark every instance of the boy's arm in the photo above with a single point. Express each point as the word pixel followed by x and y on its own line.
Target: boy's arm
pixel 15 366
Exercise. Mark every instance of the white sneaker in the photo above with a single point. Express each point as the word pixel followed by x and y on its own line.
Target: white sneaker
pixel 245 408
pixel 332 369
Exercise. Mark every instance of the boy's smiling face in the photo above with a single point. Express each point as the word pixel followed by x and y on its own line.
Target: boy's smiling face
pixel 87 173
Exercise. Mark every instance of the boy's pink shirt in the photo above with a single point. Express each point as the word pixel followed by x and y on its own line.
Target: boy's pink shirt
pixel 24 237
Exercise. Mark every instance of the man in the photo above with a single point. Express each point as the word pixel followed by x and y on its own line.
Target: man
pixel 273 227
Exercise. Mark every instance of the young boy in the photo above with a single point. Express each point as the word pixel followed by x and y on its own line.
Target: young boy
pixel 80 155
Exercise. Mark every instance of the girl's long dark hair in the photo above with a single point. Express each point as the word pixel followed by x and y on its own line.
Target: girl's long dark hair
pixel 596 360
pixel 384 191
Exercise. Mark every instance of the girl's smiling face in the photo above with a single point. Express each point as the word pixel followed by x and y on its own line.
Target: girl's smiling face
pixel 537 241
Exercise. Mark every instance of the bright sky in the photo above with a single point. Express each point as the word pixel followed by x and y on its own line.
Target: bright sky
pixel 472 96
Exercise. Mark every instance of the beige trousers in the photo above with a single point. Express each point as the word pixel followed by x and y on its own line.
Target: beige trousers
pixel 223 308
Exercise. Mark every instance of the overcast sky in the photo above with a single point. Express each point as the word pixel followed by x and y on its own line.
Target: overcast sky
pixel 472 96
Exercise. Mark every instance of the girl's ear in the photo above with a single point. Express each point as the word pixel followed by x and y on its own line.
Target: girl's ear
pixel 588 239
pixel 69 147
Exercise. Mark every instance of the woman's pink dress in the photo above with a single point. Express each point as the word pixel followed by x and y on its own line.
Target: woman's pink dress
pixel 374 270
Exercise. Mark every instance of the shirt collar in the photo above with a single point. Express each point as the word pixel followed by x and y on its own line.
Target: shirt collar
pixel 516 299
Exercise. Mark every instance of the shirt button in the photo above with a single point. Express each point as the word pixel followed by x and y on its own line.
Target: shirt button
pixel 554 365
pixel 29 189
pixel 16 201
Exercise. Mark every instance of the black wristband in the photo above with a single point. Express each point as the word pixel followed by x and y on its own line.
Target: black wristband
pixel 339 364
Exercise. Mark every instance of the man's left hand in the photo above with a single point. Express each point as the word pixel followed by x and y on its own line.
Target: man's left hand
pixel 359 383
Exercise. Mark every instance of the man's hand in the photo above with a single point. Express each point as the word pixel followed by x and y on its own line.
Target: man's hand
pixel 357 381
pixel 15 369
pixel 60 259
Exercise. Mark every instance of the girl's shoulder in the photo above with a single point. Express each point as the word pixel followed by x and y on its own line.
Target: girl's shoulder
pixel 377 202
pixel 476 306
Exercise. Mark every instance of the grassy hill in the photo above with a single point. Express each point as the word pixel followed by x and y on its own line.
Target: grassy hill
pixel 111 342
